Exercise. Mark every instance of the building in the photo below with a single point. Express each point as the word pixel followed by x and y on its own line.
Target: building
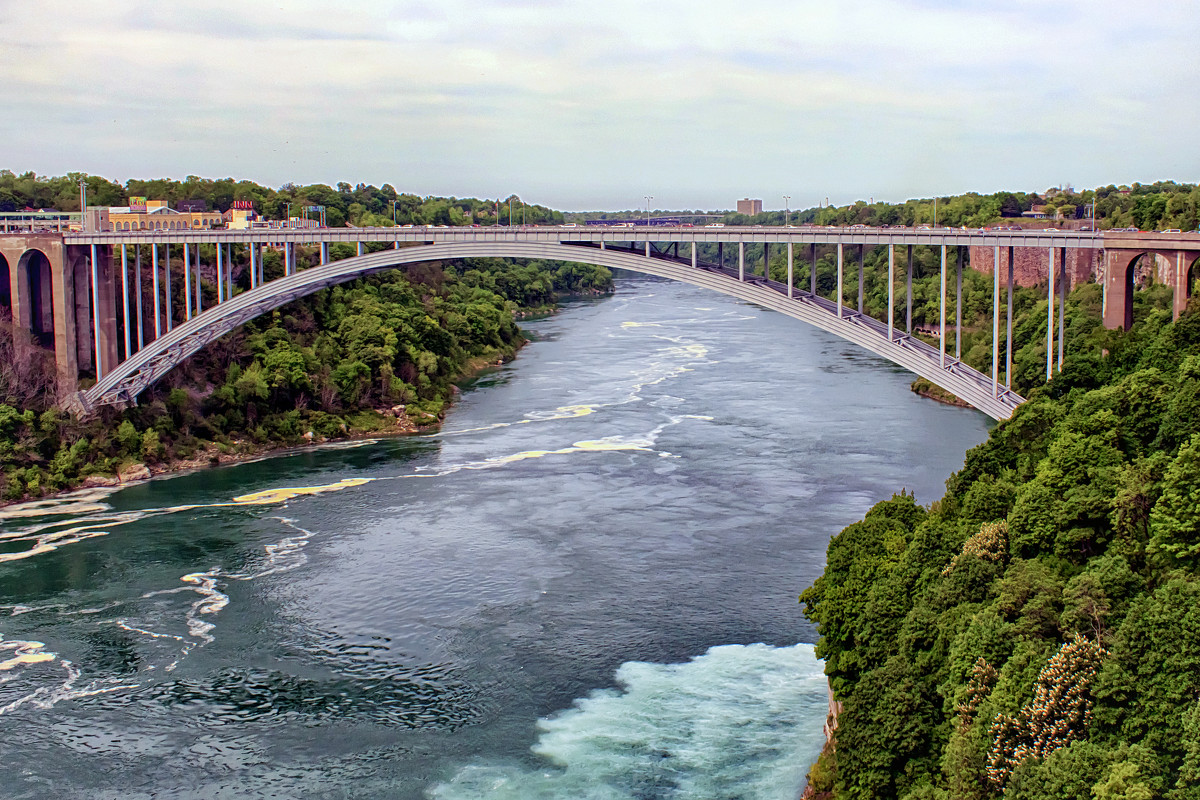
pixel 156 215
pixel 749 207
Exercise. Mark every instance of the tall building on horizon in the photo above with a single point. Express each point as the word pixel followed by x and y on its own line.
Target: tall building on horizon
pixel 749 207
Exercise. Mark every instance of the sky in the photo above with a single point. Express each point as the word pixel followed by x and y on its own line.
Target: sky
pixel 595 105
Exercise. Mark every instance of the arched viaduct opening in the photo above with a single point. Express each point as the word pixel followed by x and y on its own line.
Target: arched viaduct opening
pixel 35 267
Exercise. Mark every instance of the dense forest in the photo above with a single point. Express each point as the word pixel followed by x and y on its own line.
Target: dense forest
pixel 375 354
pixel 1036 632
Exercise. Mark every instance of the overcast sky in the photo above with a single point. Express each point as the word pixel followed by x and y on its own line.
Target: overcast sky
pixel 593 105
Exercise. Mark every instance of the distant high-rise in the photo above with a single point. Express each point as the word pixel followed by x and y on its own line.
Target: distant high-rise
pixel 749 207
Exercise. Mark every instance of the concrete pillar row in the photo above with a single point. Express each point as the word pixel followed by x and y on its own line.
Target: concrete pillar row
pixel 1118 288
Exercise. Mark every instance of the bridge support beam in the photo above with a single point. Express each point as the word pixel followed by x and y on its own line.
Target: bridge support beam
pixel 791 270
pixel 741 261
pixel 1118 287
pixel 220 276
pixel 199 292
pixel 862 255
pixel 154 284
pixel 1051 279
pixel 766 261
pixel 908 312
pixel 1063 287
pixel 137 297
pixel 324 252
pixel 812 272
pixel 1008 347
pixel 996 323
pixel 891 291
pixel 958 309
pixel 125 298
pixel 839 280
pixel 1183 266
pixel 187 282
pixel 942 310
pixel 167 283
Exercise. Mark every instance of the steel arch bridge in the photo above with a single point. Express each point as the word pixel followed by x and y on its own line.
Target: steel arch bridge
pixel 128 379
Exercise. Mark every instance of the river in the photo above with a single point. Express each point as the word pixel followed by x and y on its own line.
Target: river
pixel 584 586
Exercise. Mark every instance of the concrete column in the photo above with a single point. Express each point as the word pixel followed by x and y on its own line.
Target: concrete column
pixel 721 254
pixel 1009 318
pixel 167 283
pixel 187 282
pixel 18 283
pixel 1050 281
pixel 125 299
pixel 647 248
pixel 287 258
pixel 812 272
pixel 766 261
pixel 1180 299
pixel 791 269
pixel 253 268
pixel 220 276
pixel 95 275
pixel 996 322
pixel 359 247
pixel 942 309
pixel 862 255
pixel 1063 286
pixel 141 336
pixel 694 262
pixel 958 309
pixel 63 309
pixel 198 288
pixel 891 289
pixel 839 282
pixel 908 313
pixel 1118 288
pixel 324 252
pixel 741 261
pixel 154 283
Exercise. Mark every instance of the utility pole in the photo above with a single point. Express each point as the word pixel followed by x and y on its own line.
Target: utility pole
pixel 787 211
pixel 648 197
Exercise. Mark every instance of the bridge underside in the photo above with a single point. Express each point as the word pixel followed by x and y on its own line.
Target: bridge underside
pixel 132 376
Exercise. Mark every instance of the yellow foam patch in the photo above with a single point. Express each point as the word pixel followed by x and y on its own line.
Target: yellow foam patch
pixel 288 492
pixel 27 653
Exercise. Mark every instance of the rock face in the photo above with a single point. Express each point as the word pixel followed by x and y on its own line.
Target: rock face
pixel 1030 264
pixel 134 472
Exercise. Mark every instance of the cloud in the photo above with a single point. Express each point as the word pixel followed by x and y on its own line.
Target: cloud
pixel 589 103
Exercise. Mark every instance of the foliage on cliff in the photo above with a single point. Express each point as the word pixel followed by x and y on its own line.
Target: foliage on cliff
pixel 1035 634
pixel 326 364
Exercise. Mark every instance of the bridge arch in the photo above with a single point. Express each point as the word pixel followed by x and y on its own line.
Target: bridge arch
pixel 148 365
pixel 35 270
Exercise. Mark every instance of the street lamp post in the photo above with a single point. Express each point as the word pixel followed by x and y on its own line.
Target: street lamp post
pixel 787 210
pixel 288 222
pixel 394 212
pixel 510 211
pixel 648 197
pixel 83 204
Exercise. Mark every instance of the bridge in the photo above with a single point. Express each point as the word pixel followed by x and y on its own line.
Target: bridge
pixel 85 294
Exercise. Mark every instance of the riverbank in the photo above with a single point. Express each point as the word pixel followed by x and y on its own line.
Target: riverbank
pixel 398 420
pixel 932 391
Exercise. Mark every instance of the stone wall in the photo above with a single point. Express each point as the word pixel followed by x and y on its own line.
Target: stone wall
pixel 1030 264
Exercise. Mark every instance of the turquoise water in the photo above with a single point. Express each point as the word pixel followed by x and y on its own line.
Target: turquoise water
pixel 584 586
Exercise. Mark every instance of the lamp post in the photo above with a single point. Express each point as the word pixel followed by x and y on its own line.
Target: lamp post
pixel 83 204
pixel 287 223
pixel 510 197
pixel 648 197
pixel 787 210
pixel 394 212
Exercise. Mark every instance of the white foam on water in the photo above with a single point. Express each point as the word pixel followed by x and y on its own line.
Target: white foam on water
pixel 739 721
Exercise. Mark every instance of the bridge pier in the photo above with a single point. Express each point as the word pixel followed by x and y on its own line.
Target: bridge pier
pixel 741 261
pixel 839 280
